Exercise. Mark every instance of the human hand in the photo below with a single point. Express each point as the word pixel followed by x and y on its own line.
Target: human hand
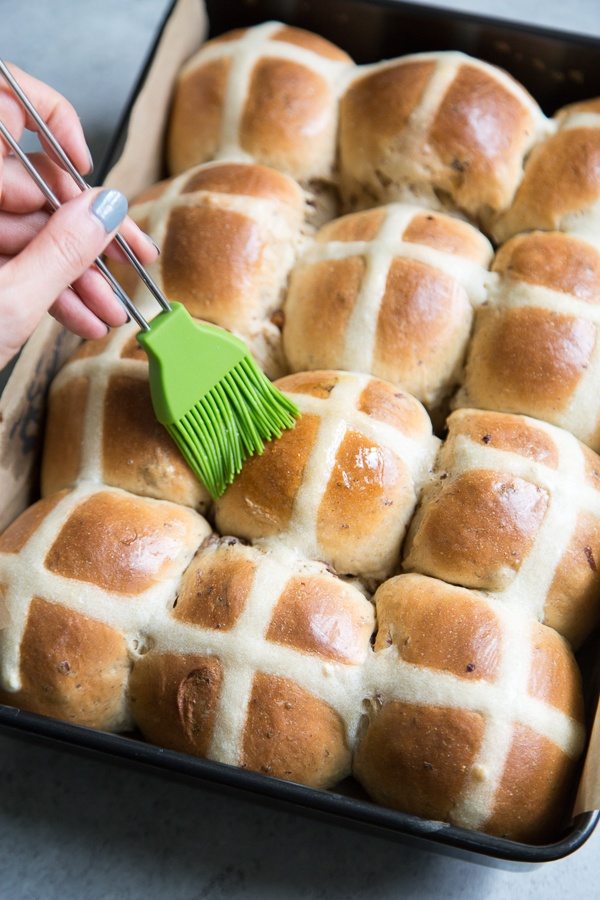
pixel 45 258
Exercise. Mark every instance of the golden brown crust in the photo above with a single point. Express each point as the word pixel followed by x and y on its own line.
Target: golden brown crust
pixel 535 768
pixel 259 503
pixel 370 475
pixel 72 668
pixel 417 758
pixel 214 590
pixel 63 437
pixel 243 181
pixel 447 235
pixel 88 349
pixel 153 192
pixel 555 677
pixel 227 248
pixel 361 226
pixel 296 616
pixel 118 441
pixel 445 759
pixel 459 146
pixel 476 529
pixel 288 116
pixel 562 177
pixel 385 403
pixel 320 298
pixel 291 734
pixel 437 625
pixel 356 517
pixel 174 699
pixel 501 431
pixel 584 106
pixel 557 261
pixel 313 384
pixel 287 110
pixel 18 533
pixel 424 316
pixel 132 350
pixel 138 454
pixel 421 313
pixel 311 617
pixel 572 606
pixel 476 526
pixel 233 35
pixel 478 134
pixel 309 41
pixel 199 99
pixel 534 346
pixel 375 109
pixel 527 360
pixel 121 543
pixel 229 234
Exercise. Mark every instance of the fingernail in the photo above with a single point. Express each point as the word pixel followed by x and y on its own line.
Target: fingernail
pixel 153 242
pixel 110 208
pixel 90 163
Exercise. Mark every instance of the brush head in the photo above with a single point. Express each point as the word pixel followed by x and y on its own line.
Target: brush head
pixel 208 392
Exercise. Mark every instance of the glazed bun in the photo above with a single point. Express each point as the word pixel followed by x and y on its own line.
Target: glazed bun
pixel 514 509
pixel 477 719
pixel 229 234
pixel 560 189
pixel 82 574
pixel 389 291
pixel 441 127
pixel 534 346
pixel 259 665
pixel 100 427
pixel 268 93
pixel 342 485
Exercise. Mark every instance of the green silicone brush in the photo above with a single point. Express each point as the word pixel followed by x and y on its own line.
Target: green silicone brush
pixel 210 395
pixel 206 389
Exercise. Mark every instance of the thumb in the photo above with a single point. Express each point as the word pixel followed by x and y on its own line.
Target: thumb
pixel 59 254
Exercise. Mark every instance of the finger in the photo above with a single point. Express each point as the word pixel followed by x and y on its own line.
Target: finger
pixel 75 315
pixel 98 296
pixel 142 244
pixel 54 109
pixel 20 193
pixel 57 256
pixel 17 231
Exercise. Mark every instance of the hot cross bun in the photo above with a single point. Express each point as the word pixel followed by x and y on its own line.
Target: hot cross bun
pixel 268 93
pixel 514 509
pixel 389 291
pixel 535 348
pixel 83 573
pixel 476 716
pixel 437 126
pixel 342 485
pixel 259 664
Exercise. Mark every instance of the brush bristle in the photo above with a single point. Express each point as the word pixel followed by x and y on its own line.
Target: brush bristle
pixel 230 423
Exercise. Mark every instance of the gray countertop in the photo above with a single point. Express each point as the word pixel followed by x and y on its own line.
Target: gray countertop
pixel 72 827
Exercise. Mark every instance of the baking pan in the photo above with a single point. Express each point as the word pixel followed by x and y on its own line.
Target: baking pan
pixel 557 68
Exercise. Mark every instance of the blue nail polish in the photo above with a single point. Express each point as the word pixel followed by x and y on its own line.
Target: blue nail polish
pixel 110 208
